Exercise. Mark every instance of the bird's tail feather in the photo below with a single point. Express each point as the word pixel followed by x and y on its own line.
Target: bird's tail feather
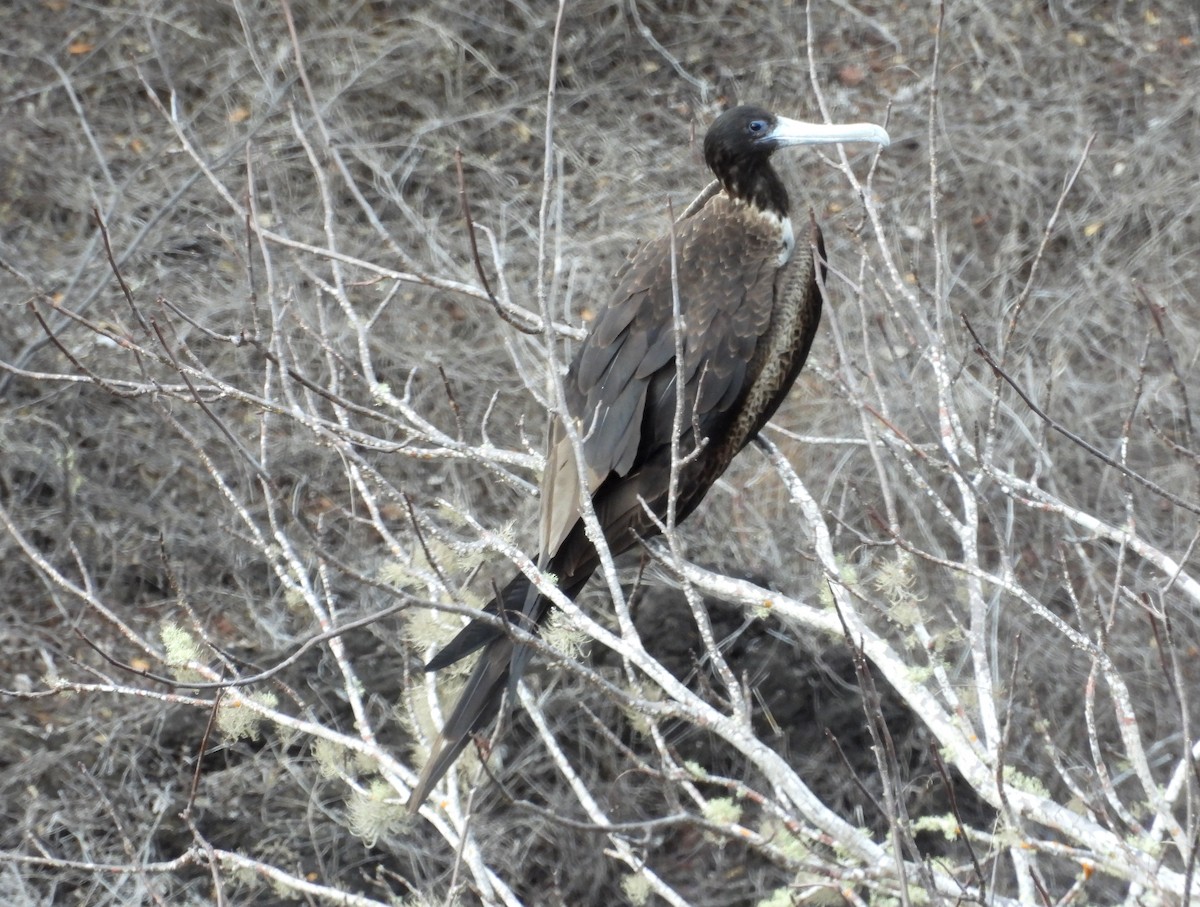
pixel 476 706
pixel 513 599
pixel 501 665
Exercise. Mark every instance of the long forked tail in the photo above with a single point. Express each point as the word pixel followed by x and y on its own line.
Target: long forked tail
pixel 499 667
pixel 476 707
pixel 479 701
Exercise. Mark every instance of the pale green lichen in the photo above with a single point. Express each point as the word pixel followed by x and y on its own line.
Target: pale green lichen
pixel 238 721
pixel 777 835
pixel 847 576
pixel 919 674
pixel 1026 783
pixel 333 760
pixel 375 812
pixel 637 889
pixel 896 581
pixel 562 635
pixel 181 649
pixel 180 645
pixel 723 811
pixel 945 825
pixel 780 897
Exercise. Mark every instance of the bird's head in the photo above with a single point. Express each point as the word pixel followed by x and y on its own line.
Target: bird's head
pixel 741 140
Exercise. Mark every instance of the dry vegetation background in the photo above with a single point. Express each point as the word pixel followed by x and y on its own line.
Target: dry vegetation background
pixel 304 412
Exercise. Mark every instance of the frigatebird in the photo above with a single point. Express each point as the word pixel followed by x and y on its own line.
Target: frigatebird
pixel 749 303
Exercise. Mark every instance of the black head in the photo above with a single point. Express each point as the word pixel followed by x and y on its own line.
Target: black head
pixel 738 148
pixel 740 142
pixel 739 133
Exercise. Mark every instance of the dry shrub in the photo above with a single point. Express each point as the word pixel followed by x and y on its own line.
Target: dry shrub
pixel 952 649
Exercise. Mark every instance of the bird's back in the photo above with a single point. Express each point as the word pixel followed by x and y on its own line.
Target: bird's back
pixel 746 321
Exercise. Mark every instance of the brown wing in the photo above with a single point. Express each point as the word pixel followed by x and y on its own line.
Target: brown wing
pixel 748 324
pixel 620 388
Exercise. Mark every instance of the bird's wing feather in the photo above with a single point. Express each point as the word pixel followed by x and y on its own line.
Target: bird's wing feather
pixel 620 388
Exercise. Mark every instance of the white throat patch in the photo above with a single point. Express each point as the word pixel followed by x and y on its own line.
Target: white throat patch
pixel 789 242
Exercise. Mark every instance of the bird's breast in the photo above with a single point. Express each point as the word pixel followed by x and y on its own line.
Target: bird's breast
pixel 760 224
pixel 787 241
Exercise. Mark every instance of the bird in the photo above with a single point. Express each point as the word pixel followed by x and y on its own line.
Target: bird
pixel 749 302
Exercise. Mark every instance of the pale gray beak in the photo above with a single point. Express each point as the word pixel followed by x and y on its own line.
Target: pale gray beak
pixel 795 132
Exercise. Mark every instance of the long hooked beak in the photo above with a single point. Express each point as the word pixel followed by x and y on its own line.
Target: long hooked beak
pixel 795 132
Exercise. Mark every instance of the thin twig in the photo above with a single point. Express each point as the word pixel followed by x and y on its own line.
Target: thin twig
pixel 465 202
pixel 233 440
pixel 112 264
pixel 458 421
pixel 1047 232
pixel 91 375
pixel 1156 314
pixel 261 675
pixel 200 753
pixel 960 826
pixel 1070 435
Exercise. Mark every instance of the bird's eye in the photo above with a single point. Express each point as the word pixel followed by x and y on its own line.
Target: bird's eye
pixel 757 127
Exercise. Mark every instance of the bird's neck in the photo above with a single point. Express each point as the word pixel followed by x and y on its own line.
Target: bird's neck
pixel 759 186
